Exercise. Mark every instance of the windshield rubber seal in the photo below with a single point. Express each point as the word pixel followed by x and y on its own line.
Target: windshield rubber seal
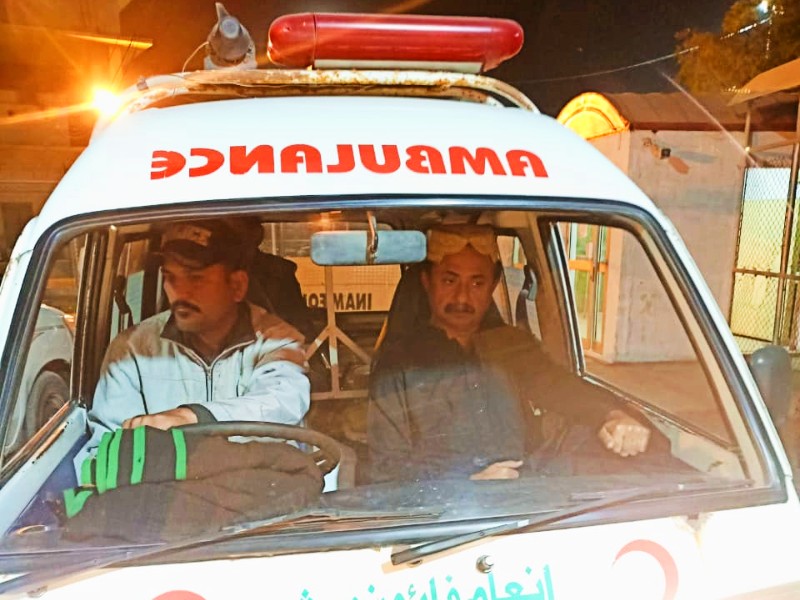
pixel 32 287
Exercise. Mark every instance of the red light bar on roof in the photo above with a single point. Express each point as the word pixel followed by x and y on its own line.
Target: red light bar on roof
pixel 327 40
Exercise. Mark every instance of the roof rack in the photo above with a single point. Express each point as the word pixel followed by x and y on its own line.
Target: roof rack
pixel 196 86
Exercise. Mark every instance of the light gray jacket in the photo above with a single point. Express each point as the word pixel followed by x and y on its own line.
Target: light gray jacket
pixel 260 376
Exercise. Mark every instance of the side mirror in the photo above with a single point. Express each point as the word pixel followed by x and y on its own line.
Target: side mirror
pixel 772 369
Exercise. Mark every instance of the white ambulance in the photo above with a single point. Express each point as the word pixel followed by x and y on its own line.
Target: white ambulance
pixel 375 129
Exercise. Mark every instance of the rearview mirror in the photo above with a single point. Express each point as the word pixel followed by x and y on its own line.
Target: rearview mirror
pixel 340 248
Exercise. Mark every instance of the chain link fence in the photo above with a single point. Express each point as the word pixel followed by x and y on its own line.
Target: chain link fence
pixel 766 284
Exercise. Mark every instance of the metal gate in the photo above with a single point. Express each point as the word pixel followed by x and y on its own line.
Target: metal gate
pixel 766 281
pixel 765 305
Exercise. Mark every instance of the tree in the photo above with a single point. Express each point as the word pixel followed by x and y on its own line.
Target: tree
pixel 755 36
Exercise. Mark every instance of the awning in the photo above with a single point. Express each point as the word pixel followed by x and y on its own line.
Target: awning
pixel 594 115
pixel 783 78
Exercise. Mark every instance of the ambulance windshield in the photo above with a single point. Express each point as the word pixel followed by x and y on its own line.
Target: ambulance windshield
pixel 528 361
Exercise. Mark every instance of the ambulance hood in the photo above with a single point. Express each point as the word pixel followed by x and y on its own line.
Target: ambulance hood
pixel 331 146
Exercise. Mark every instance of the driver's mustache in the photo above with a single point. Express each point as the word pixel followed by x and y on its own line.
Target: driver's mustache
pixel 459 308
pixel 184 304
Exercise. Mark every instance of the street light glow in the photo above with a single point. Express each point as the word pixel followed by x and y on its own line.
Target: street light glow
pixel 105 102
pixel 763 7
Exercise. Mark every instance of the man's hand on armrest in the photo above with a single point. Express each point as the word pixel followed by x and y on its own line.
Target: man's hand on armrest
pixel 623 435
pixel 163 420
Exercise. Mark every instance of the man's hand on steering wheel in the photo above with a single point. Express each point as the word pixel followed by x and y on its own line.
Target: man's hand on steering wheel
pixel 163 420
pixel 623 435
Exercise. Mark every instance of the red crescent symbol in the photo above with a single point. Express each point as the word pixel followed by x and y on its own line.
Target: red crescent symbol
pixel 179 595
pixel 664 559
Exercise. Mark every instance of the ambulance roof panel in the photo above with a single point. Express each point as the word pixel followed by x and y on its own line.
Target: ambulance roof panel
pixel 330 146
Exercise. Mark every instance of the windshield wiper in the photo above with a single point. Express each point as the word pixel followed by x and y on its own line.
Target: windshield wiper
pixel 103 558
pixel 315 515
pixel 592 502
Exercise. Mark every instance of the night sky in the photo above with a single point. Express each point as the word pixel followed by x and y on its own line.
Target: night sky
pixel 568 39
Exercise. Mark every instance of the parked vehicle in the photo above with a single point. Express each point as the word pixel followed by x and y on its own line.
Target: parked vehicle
pixel 348 139
pixel 45 381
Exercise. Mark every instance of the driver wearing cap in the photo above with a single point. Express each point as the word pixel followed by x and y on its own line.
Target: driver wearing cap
pixel 212 356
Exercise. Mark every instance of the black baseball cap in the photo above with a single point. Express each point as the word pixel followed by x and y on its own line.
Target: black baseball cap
pixel 200 244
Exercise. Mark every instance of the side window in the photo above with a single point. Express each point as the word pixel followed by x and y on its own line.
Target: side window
pixel 520 282
pixel 631 335
pixel 44 388
pixel 134 286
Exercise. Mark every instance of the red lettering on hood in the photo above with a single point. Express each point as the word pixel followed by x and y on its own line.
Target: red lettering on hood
pixel 346 158
pixel 242 160
pixel 460 157
pixel 214 160
pixel 519 160
pixel 166 164
pixel 301 154
pixel 391 158
pixel 425 159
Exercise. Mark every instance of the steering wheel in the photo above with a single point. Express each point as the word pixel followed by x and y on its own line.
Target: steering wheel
pixel 327 455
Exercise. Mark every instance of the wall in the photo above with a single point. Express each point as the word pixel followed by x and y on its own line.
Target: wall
pixel 698 186
pixel 616 148
pixel 46 75
pixel 34 155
